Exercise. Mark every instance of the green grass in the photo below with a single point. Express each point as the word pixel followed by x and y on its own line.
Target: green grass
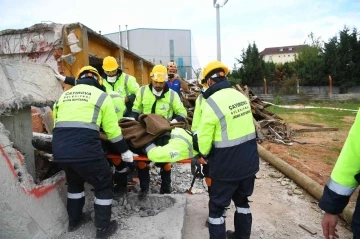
pixel 331 118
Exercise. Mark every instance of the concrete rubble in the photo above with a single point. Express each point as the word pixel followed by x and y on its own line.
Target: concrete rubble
pixel 24 205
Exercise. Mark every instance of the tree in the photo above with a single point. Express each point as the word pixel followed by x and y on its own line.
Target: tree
pixel 308 62
pixel 342 60
pixel 331 59
pixel 251 71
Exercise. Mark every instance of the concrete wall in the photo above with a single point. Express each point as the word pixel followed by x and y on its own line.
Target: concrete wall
pixel 154 46
pixel 20 126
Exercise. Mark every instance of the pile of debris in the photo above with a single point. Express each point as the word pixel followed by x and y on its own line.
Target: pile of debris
pixel 189 97
pixel 269 126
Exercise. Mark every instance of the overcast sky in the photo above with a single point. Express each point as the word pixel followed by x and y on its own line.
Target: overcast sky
pixel 269 23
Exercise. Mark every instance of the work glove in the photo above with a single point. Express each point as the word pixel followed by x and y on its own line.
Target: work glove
pixel 174 121
pixel 59 76
pixel 128 156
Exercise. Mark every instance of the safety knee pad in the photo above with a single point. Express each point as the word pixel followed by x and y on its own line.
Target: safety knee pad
pixel 167 167
pixel 142 165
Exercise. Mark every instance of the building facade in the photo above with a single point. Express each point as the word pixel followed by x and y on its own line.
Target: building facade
pixel 281 55
pixel 159 46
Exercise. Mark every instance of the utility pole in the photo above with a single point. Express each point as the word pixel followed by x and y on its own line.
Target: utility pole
pixel 218 32
pixel 217 5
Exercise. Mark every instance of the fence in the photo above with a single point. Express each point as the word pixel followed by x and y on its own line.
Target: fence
pixel 307 90
pixel 311 97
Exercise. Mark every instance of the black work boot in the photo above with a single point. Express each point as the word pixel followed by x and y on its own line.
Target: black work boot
pixel 144 178
pixel 104 233
pixel 165 182
pixel 74 225
pixel 230 234
pixel 143 193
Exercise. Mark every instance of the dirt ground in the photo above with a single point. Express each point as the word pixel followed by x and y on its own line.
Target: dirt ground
pixel 318 156
pixel 276 211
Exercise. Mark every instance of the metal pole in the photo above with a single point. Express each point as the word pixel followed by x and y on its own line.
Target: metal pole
pixel 218 32
pixel 127 38
pixel 121 50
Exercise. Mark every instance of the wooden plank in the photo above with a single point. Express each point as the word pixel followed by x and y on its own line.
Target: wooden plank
pixel 317 129
pixel 310 125
pixel 265 116
pixel 257 105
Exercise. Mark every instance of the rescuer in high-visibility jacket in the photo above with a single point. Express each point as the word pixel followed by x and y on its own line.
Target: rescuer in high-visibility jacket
pixel 157 98
pixel 177 147
pixel 122 89
pixel 226 137
pixel 78 115
pixel 344 179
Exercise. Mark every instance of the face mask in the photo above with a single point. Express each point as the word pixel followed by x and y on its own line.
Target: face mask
pixel 156 93
pixel 111 79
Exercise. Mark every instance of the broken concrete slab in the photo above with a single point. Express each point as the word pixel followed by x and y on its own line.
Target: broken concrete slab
pixel 28 210
pixel 26 84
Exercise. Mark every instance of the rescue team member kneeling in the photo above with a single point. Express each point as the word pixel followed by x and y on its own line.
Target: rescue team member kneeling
pixel 226 137
pixel 78 115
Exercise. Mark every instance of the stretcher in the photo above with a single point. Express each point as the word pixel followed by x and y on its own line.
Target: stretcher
pixel 116 160
pixel 116 157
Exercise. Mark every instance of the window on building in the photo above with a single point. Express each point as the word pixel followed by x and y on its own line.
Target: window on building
pixel 270 58
pixel 288 55
pixel 281 49
pixel 171 44
pixel 290 48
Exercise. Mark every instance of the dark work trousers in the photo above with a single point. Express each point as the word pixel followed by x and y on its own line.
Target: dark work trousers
pixel 207 177
pixel 121 173
pixel 98 174
pixel 222 192
pixel 355 224
pixel 144 177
